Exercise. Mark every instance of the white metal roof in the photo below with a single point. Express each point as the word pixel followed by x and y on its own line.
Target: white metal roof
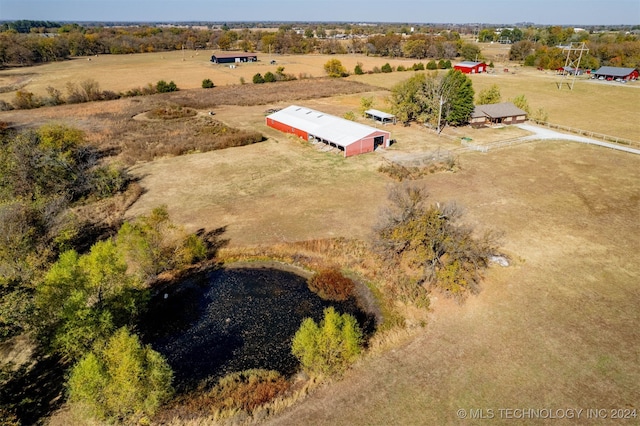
pixel 468 64
pixel 380 114
pixel 338 130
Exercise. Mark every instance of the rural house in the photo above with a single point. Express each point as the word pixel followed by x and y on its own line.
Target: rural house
pixel 613 73
pixel 470 67
pixel 233 57
pixel 317 127
pixel 502 113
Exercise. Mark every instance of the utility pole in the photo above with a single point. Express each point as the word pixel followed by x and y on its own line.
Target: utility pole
pixel 440 113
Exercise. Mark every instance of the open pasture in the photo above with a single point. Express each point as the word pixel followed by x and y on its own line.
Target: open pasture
pixel 557 329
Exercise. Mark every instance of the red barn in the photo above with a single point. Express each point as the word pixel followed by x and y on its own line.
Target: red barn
pixel 314 126
pixel 616 73
pixel 470 67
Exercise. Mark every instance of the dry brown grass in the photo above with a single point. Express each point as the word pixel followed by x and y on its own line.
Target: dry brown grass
pixel 556 329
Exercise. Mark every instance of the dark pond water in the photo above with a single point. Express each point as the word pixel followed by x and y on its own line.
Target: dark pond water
pixel 229 320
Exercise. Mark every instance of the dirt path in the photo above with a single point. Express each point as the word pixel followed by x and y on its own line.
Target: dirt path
pixel 544 133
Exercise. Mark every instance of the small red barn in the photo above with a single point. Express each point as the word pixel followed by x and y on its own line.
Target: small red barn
pixel 314 126
pixel 471 67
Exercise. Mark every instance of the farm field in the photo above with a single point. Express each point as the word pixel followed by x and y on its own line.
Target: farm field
pixel 558 329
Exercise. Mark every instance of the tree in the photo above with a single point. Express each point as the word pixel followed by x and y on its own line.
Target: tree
pixel 122 380
pixel 457 91
pixel 358 69
pixel 153 244
pixel 269 77
pixel 386 68
pixel 207 84
pixel 82 299
pixel 521 102
pixel 334 68
pixel 258 79
pixel 469 52
pixel 430 241
pixel 327 348
pixel 490 95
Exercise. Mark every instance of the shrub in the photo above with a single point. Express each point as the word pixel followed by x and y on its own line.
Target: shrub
pixel 330 347
pixel 358 69
pixel 247 390
pixel 418 67
pixel 376 70
pixel 386 68
pixel 5 106
pixel 258 79
pixel 431 65
pixel 164 87
pixel 25 100
pixel 400 68
pixel 349 115
pixel 207 83
pixel 269 77
pixel 330 284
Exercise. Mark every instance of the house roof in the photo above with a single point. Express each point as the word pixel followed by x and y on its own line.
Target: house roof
pixel 501 110
pixel 234 55
pixel 614 71
pixel 379 114
pixel 468 64
pixel 338 130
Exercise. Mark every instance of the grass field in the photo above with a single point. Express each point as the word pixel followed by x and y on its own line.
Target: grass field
pixel 557 329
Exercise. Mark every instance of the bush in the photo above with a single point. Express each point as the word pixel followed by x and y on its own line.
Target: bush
pixel 330 284
pixel 418 67
pixel 349 115
pixel 431 65
pixel 207 83
pixel 269 77
pixel 334 68
pixel 386 68
pixel 26 100
pixel 330 347
pixel 258 79
pixel 164 87
pixel 400 68
pixel 358 69
pixel 247 390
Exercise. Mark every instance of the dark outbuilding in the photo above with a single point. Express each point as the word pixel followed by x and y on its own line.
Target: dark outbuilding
pixel 233 57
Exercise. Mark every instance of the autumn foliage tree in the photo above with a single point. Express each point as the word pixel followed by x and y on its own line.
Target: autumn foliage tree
pixel 334 68
pixel 122 381
pixel 329 347
pixel 430 241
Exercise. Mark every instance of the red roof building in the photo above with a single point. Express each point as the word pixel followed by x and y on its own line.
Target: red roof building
pixel 470 67
pixel 347 136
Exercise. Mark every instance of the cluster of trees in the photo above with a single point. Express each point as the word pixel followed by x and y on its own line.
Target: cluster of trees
pixel 430 98
pixel 73 299
pixel 270 77
pixel 85 91
pixel 430 241
pixel 605 49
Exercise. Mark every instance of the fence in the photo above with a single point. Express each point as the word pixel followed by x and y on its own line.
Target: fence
pixel 589 134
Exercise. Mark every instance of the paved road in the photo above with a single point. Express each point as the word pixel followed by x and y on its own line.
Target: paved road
pixel 545 133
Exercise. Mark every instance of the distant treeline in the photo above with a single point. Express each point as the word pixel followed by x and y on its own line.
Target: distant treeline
pixel 32 42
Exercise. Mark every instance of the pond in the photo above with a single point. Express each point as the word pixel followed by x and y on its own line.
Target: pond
pixel 227 320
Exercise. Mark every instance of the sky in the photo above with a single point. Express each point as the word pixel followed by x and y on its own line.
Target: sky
pixel 545 12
